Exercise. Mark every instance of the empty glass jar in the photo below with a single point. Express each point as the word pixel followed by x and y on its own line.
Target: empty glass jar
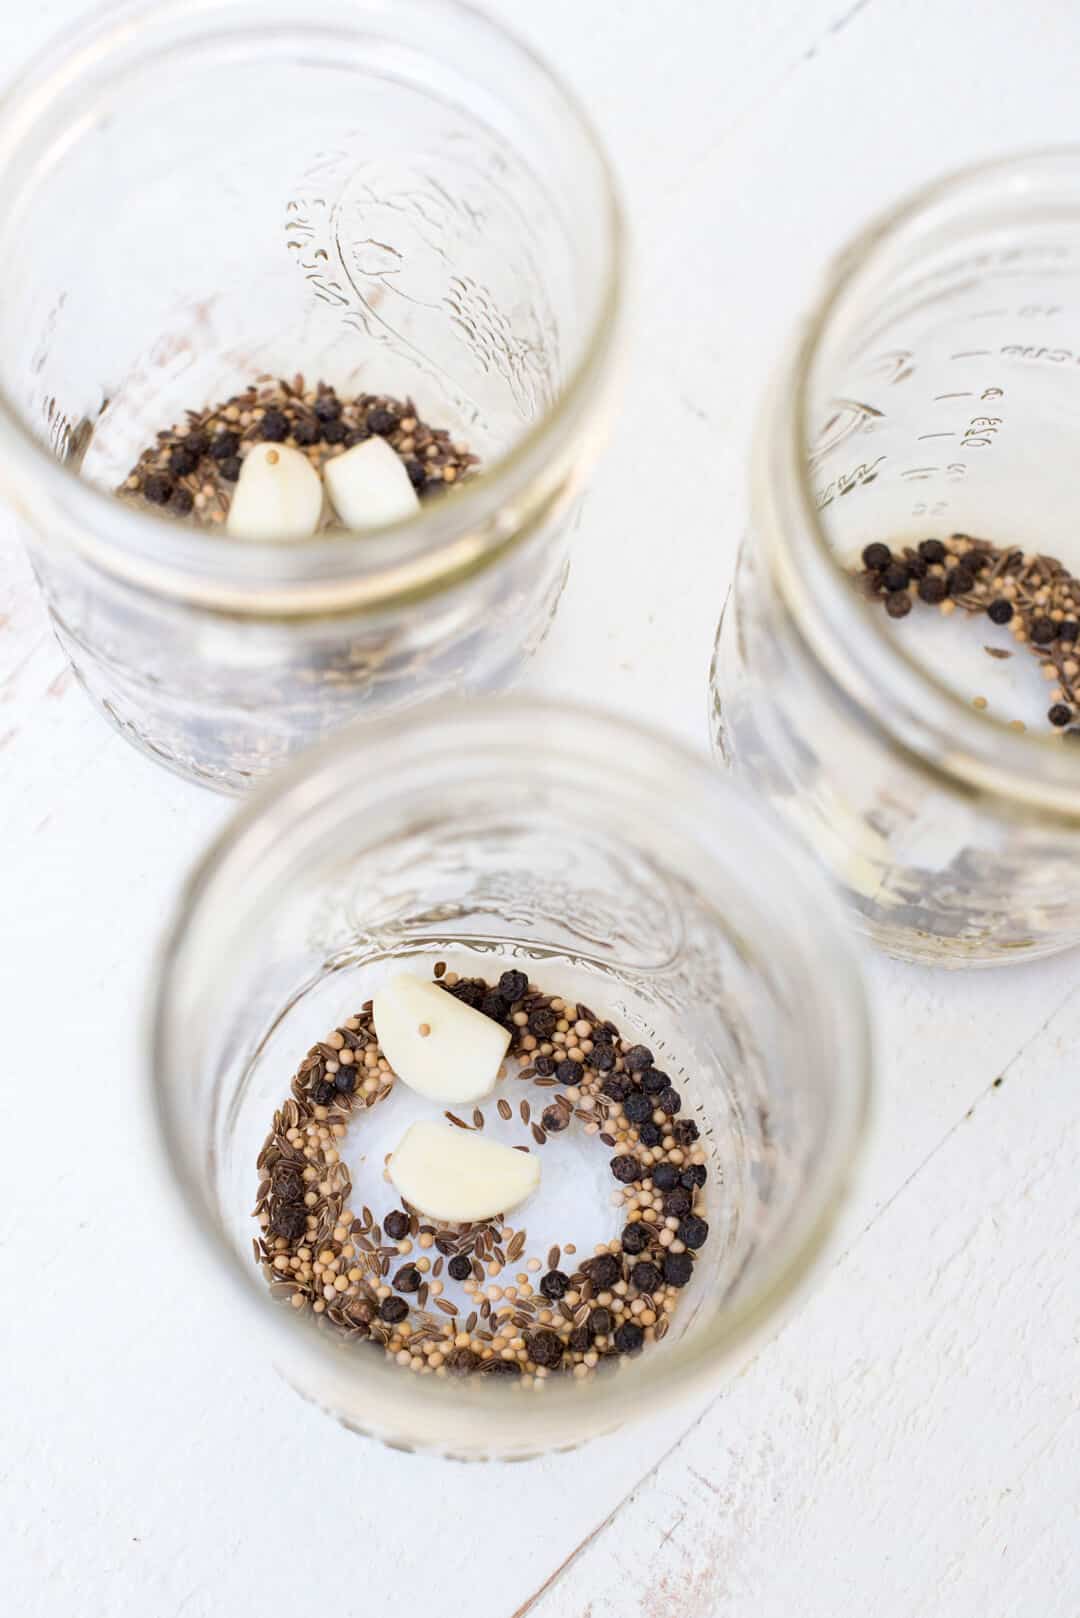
pixel 395 199
pixel 934 392
pixel 521 835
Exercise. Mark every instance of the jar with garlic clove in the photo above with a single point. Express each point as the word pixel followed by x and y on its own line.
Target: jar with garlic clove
pixel 433 222
pixel 662 972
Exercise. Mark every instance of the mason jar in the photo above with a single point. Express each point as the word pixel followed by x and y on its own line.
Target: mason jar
pixel 394 199
pixel 521 836
pixel 931 395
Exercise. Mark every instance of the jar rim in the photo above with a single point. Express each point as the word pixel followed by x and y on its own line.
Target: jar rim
pixel 897 696
pixel 573 745
pixel 445 542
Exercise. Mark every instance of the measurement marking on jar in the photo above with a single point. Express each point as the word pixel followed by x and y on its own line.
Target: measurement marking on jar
pixel 967 394
pixel 972 354
pixel 980 432
pixel 922 436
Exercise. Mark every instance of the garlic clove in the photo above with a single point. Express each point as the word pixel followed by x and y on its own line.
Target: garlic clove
pixel 450 1174
pixel 278 496
pixel 435 1044
pixel 369 486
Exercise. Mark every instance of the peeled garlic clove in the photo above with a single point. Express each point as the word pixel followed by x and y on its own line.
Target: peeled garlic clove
pixel 436 1045
pixel 450 1174
pixel 369 486
pixel 278 496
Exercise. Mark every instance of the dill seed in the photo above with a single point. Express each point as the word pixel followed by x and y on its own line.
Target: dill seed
pixel 505 1111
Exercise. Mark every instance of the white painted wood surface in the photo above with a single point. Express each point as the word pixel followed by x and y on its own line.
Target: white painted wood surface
pixel 909 1446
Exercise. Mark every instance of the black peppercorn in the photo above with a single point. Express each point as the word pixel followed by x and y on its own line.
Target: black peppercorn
pixel 669 1101
pixel 685 1132
pixel 635 1238
pixel 895 577
pixel 393 1310
pixel 1043 631
pixel 629 1338
pixel 462 1361
pixel 1059 714
pixel 198 443
pixel 665 1176
pixel 876 556
pixel 183 460
pixel 653 1081
pixel 677 1203
pixel 335 432
pixel 288 1182
pixel 600 1322
pixel 224 445
pixel 579 1340
pixel 417 474
pixel 569 1072
pixel 274 426
pixel 1069 630
pixel 603 1034
pixel 306 430
pixel 637 1107
pixel 603 1271
pixel 500 1368
pixel 555 1284
pixel 693 1177
pixel 345 1080
pixel 494 1006
pixel 545 1066
pixel 327 407
pixel 513 986
pixel 544 1348
pixel 602 1058
pixel 898 605
pixel 678 1268
pixel 323 1093
pixel 693 1232
pixel 645 1276
pixel 627 1169
pixel 917 568
pixel 555 1119
pixel 182 501
pixel 961 581
pixel 1000 611
pixel 356 435
pixel 231 469
pixel 396 1226
pixel 932 550
pixel 649 1134
pixel 933 589
pixel 158 489
pixel 289 1219
pixel 638 1058
pixel 381 421
pixel 542 1022
pixel 408 1278
pixel 459 1268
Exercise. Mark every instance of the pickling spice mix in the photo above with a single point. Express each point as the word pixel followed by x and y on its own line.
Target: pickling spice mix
pixel 449 1299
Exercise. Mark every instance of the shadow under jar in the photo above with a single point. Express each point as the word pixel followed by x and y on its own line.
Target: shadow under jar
pixel 922 748
pixel 521 837
pixel 393 199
